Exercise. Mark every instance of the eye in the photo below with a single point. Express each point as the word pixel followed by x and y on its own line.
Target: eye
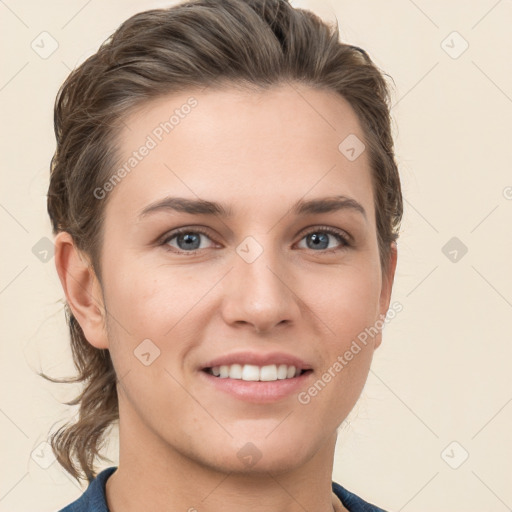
pixel 319 239
pixel 188 240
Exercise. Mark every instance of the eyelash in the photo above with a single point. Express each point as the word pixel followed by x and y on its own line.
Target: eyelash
pixel 324 229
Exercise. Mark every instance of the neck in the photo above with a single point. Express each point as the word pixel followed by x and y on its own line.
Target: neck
pixel 152 475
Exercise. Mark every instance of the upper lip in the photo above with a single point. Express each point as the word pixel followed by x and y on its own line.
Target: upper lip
pixel 258 359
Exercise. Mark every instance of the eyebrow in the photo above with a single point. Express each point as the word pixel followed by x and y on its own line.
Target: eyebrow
pixel 204 207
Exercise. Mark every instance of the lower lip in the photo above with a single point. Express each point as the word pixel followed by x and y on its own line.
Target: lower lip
pixel 259 392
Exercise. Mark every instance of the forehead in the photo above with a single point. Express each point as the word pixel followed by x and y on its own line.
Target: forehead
pixel 231 145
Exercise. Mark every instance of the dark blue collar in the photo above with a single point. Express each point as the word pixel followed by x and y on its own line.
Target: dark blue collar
pixel 93 499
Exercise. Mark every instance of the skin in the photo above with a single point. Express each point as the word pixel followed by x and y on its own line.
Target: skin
pixel 259 153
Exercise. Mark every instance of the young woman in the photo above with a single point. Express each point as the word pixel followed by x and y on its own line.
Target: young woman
pixel 226 206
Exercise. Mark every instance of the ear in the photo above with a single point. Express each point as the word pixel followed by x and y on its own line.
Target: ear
pixel 82 289
pixel 388 277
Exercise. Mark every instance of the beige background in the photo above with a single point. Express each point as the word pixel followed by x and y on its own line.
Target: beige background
pixel 442 374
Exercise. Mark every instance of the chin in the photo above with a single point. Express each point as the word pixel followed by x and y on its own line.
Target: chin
pixel 257 457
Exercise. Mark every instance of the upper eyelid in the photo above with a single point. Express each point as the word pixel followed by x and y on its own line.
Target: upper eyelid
pixel 341 232
pixel 169 235
pixel 346 237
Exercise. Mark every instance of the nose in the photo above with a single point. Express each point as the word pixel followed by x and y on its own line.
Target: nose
pixel 260 293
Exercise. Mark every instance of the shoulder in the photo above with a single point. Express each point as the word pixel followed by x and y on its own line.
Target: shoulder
pixel 93 499
pixel 353 502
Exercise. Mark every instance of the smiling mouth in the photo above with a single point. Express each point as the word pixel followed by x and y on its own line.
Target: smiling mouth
pixel 253 373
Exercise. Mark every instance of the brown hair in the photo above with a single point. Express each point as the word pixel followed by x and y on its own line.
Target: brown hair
pixel 250 43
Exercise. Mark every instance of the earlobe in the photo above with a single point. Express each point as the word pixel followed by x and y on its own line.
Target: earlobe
pixel 82 289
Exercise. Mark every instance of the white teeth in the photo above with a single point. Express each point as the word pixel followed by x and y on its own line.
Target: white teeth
pixel 269 372
pixel 250 372
pixel 235 371
pixel 282 371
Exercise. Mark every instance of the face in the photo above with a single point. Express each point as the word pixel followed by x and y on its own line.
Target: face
pixel 273 274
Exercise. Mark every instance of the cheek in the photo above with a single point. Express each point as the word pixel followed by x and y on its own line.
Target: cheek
pixel 157 303
pixel 348 308
pixel 147 297
pixel 349 311
pixel 347 303
pixel 146 325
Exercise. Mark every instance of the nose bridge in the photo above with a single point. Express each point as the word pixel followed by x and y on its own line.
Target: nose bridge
pixel 259 292
pixel 258 265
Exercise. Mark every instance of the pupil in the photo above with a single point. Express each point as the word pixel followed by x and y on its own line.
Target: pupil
pixel 317 239
pixel 189 239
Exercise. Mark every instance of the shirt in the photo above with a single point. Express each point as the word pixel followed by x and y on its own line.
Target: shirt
pixel 93 499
